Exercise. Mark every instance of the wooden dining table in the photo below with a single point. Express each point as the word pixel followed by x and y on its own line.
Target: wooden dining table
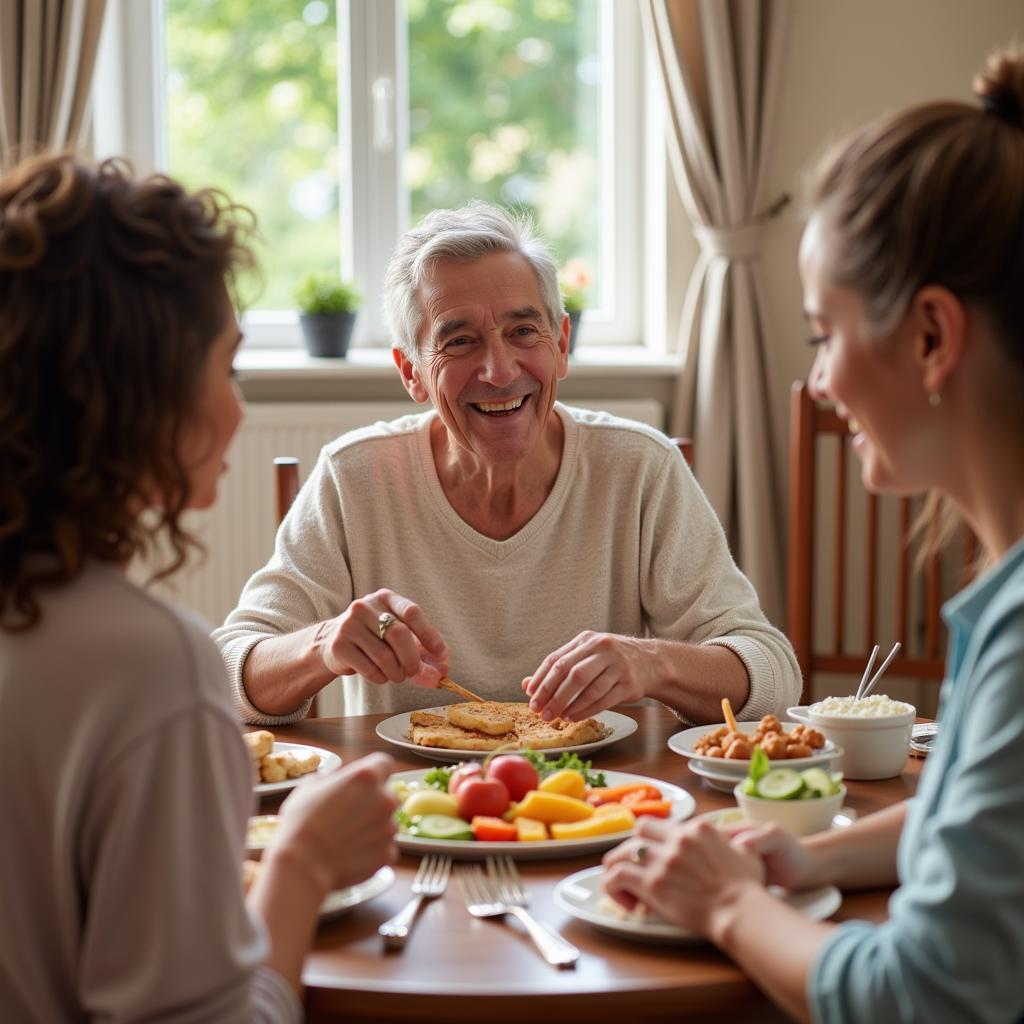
pixel 457 969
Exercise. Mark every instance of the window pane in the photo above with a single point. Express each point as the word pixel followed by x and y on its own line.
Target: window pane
pixel 252 107
pixel 504 106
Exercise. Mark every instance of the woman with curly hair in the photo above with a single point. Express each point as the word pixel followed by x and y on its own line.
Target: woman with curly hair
pixel 913 273
pixel 126 784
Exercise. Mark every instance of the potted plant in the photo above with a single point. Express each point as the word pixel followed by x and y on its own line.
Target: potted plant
pixel 327 311
pixel 574 280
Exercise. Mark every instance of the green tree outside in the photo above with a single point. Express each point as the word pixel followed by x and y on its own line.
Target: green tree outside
pixel 503 106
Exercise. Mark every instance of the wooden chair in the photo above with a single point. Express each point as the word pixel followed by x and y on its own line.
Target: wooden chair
pixel 685 446
pixel 858 567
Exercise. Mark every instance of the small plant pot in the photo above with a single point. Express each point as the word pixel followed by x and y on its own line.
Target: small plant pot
pixel 327 335
pixel 574 330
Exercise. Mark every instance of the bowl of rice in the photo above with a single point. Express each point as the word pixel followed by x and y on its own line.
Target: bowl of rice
pixel 874 732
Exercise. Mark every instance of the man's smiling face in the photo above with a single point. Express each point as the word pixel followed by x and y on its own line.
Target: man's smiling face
pixel 488 357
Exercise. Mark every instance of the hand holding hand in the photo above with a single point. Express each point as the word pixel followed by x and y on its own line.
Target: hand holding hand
pixel 340 827
pixel 408 647
pixel 683 871
pixel 591 673
pixel 786 860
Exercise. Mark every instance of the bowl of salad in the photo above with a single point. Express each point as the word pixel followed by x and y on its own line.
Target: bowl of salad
pixel 802 802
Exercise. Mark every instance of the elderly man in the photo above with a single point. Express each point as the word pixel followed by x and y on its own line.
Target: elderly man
pixel 510 541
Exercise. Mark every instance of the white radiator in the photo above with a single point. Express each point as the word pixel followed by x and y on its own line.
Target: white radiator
pixel 239 531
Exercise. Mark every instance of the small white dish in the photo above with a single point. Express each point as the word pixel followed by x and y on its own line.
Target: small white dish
pixel 725 817
pixel 342 900
pixel 682 743
pixel 580 896
pixel 396 730
pixel 683 805
pixel 328 763
pixel 873 747
pixel 259 832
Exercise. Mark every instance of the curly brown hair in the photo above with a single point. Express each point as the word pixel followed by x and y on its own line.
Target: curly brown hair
pixel 111 292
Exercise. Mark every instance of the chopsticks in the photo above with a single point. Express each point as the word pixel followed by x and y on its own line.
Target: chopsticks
pixel 863 690
pixel 447 684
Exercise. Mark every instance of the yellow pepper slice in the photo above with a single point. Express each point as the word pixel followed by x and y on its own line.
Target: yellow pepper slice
pixel 598 825
pixel 551 807
pixel 568 781
pixel 529 830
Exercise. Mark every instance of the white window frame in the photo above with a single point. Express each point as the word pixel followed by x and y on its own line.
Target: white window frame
pixel 129 120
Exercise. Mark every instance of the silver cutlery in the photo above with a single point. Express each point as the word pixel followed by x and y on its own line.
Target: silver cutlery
pixel 500 892
pixel 429 883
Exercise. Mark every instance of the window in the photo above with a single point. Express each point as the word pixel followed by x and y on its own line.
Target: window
pixel 342 123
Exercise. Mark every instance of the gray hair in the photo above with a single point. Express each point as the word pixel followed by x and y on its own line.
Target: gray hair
pixel 473 231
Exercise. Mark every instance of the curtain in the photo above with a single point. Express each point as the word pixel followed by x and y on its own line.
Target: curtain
pixel 719 63
pixel 47 58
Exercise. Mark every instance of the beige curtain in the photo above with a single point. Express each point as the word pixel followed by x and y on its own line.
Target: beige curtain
pixel 719 64
pixel 47 57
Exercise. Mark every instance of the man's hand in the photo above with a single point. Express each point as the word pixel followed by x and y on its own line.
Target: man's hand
pixel 591 673
pixel 409 648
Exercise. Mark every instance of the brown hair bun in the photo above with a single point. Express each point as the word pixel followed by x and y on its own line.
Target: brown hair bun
pixel 1000 88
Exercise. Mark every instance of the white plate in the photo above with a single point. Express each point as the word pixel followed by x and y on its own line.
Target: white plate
pixel 396 730
pixel 683 805
pixel 342 900
pixel 682 743
pixel 726 816
pixel 580 895
pixel 328 762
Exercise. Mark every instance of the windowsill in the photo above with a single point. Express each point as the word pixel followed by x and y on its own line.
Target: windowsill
pixel 374 364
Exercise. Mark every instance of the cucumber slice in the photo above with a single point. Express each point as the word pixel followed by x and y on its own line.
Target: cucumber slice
pixel 820 781
pixel 780 784
pixel 440 826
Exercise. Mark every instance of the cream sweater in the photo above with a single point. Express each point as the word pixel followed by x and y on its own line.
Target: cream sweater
pixel 625 543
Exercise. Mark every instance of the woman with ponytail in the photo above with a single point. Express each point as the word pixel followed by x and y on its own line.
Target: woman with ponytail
pixel 913 272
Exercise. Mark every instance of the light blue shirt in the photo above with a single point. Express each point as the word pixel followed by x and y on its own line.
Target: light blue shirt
pixel 953 947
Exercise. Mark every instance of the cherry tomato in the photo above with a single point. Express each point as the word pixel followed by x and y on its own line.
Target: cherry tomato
pixel 482 798
pixel 466 770
pixel 516 772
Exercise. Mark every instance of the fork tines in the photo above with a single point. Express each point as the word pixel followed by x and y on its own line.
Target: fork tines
pixel 505 878
pixel 432 874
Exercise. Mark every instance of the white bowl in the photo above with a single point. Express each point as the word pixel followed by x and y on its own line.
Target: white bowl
pixel 873 748
pixel 801 817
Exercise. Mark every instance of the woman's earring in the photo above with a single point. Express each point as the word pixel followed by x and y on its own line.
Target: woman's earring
pixel 934 398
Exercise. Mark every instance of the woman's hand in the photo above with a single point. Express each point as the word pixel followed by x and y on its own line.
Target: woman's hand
pixel 409 649
pixel 787 862
pixel 340 828
pixel 684 872
pixel 591 673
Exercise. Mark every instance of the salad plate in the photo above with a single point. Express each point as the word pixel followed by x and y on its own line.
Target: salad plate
pixel 683 805
pixel 396 730
pixel 581 896
pixel 328 762
pixel 682 743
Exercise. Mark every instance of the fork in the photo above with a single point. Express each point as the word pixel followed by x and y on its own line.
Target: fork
pixel 501 891
pixel 430 882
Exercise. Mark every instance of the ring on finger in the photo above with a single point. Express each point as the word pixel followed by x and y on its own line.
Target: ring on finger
pixel 638 855
pixel 384 622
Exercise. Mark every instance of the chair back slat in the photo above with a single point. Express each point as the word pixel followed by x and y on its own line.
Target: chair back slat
pixel 871 604
pixel 903 583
